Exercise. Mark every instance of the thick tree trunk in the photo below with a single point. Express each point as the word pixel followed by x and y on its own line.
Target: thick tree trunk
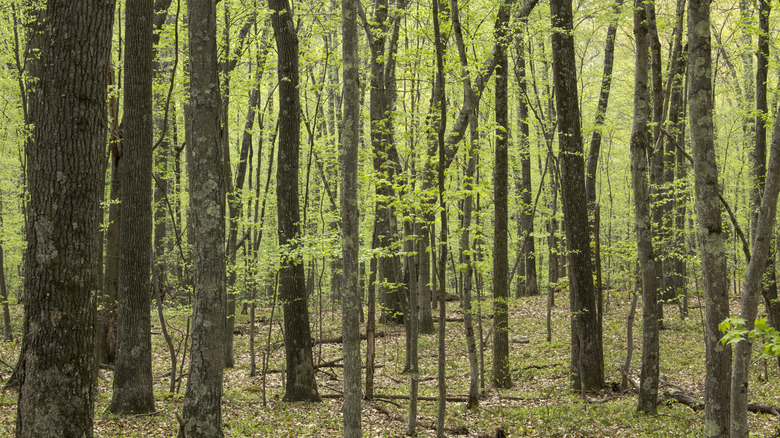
pixel 301 385
pixel 709 228
pixel 640 145
pixel 132 392
pixel 587 363
pixel 203 399
pixel 65 178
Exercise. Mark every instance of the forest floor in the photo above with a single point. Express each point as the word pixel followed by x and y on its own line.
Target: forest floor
pixel 539 404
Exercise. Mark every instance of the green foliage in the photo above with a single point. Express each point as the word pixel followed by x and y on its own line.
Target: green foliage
pixel 735 330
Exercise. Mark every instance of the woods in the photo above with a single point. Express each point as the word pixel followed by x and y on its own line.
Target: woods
pixel 389 217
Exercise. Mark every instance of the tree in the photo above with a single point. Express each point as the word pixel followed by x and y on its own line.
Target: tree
pixel 133 376
pixel 758 154
pixel 640 147
pixel 8 333
pixel 66 184
pixel 301 385
pixel 710 234
pixel 587 361
pixel 767 185
pixel 753 283
pixel 526 214
pixel 468 207
pixel 501 371
pixel 202 413
pixel 350 238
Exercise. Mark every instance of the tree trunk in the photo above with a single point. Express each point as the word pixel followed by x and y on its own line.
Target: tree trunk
pixel 763 225
pixel 673 281
pixel 753 283
pixel 640 146
pixel 133 376
pixel 587 363
pixel 501 371
pixel 468 207
pixel 301 385
pixel 350 239
pixel 709 228
pixel 105 336
pixel 527 212
pixel 440 99
pixel 203 399
pixel 7 329
pixel 65 178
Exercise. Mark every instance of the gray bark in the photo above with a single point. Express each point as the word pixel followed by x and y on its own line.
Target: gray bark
pixel 501 370
pixel 710 232
pixel 203 399
pixel 640 145
pixel 768 182
pixel 350 238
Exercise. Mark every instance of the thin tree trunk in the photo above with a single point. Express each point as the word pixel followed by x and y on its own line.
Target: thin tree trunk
pixel 301 385
pixel 440 96
pixel 371 318
pixel 501 369
pixel 527 213
pixel 762 235
pixel 709 228
pixel 468 207
pixel 349 221
pixel 640 146
pixel 8 330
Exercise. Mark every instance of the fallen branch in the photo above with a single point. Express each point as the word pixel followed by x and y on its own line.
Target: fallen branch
pixel 685 399
pixel 456 399
pixel 762 409
pixel 340 339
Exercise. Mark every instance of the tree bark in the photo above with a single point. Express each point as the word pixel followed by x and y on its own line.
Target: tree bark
pixel 709 228
pixel 587 363
pixel 133 392
pixel 350 237
pixel 640 146
pixel 753 283
pixel 501 370
pixel 527 245
pixel 203 398
pixel 301 385
pixel 769 184
pixel 468 207
pixel 65 178
pixel 7 329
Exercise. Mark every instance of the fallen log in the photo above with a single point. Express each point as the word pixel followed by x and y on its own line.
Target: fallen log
pixel 696 405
